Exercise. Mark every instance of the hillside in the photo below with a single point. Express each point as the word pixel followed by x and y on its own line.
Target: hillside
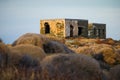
pixel 39 57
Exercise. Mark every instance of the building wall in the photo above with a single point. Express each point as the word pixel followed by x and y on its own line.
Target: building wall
pixel 96 30
pixel 62 28
pixel 57 27
pixel 84 25
pixel 76 23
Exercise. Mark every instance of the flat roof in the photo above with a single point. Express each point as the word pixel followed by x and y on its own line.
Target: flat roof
pixel 65 19
pixel 99 23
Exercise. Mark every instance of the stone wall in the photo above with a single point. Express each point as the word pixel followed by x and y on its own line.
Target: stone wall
pixel 57 27
pixel 72 28
pixel 96 30
pixel 76 23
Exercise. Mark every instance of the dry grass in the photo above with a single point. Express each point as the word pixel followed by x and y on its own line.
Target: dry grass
pixel 23 59
pixel 108 52
pixel 109 55
pixel 4 50
pixel 1 40
pixel 53 38
pixel 13 73
pixel 70 67
pixel 48 44
pixel 84 50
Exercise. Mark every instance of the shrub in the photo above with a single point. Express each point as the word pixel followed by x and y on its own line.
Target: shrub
pixel 24 55
pixel 1 40
pixel 109 41
pixel 117 56
pixel 31 38
pixel 53 38
pixel 55 47
pixel 70 67
pixel 109 55
pixel 47 44
pixel 4 51
pixel 84 50
pixel 115 73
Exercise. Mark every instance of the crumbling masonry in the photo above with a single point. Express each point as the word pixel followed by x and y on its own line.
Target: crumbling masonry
pixel 72 28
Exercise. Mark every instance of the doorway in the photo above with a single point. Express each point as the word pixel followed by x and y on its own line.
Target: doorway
pixel 80 30
pixel 71 31
pixel 47 28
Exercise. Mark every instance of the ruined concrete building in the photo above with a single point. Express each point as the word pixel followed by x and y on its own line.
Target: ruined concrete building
pixel 72 28
pixel 96 30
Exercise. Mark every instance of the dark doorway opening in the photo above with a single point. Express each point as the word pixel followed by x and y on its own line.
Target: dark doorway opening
pixel 47 28
pixel 94 31
pixel 80 30
pixel 99 33
pixel 71 31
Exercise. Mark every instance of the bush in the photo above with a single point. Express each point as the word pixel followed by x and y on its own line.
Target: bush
pixel 115 73
pixel 1 40
pixel 70 67
pixel 47 44
pixel 55 47
pixel 109 55
pixel 24 55
pixel 31 38
pixel 4 51
pixel 84 50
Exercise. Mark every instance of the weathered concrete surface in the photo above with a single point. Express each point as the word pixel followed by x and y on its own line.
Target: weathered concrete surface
pixel 62 27
pixel 97 30
pixel 72 28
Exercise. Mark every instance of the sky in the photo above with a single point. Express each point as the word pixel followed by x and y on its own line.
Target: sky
pixel 18 17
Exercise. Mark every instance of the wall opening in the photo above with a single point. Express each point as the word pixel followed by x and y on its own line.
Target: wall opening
pixel 94 30
pixel 80 30
pixel 71 31
pixel 99 32
pixel 103 31
pixel 47 28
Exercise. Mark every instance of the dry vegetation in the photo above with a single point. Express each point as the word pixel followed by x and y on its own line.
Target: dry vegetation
pixel 70 67
pixel 39 57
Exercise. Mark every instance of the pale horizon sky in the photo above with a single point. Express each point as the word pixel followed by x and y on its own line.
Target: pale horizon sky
pixel 18 17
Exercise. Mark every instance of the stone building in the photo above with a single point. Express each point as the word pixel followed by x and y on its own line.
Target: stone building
pixel 64 27
pixel 72 28
pixel 97 30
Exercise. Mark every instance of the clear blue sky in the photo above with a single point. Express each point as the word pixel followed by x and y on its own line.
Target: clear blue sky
pixel 18 17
